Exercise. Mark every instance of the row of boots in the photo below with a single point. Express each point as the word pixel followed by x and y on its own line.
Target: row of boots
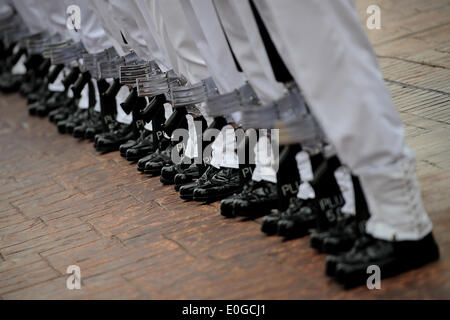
pixel 339 234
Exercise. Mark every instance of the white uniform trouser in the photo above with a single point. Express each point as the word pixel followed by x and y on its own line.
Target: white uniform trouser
pixel 92 34
pixel 212 44
pixel 191 63
pixel 189 60
pixel 243 34
pixel 213 47
pixel 242 31
pixel 6 10
pixel 54 12
pixel 144 21
pixel 123 13
pixel 102 9
pixel 333 62
pixel 32 15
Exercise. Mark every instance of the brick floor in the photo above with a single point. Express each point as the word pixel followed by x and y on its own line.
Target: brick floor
pixel 61 203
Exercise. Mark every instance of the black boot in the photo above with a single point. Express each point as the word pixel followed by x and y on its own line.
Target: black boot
pixel 79 131
pixel 114 139
pixel 163 144
pixel 68 105
pixel 256 199
pixel 143 146
pixel 163 157
pixel 187 191
pixel 92 123
pixel 183 170
pixel 324 209
pixel 9 82
pixel 96 124
pixel 270 222
pixel 223 184
pixel 392 257
pixel 169 172
pixel 288 180
pixel 68 124
pixel 342 237
pixel 108 110
pixel 194 172
pixel 149 140
pixel 152 112
pixel 37 70
pixel 160 159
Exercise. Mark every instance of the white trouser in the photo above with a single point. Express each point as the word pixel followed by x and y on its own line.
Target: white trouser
pixel 6 10
pixel 155 23
pixel 102 9
pixel 212 44
pixel 145 23
pixel 176 34
pixel 242 31
pixel 243 34
pixel 333 62
pixel 207 31
pixel 190 63
pixel 92 34
pixel 32 15
pixel 123 13
pixel 54 12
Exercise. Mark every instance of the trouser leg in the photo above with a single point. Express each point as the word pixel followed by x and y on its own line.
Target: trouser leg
pixel 335 66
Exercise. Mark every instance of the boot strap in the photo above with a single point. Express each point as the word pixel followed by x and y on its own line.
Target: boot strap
pixel 129 73
pixel 301 129
pixel 111 68
pixel 264 117
pixel 53 47
pixel 158 83
pixel 228 103
pixel 192 94
pixel 91 62
pixel 67 55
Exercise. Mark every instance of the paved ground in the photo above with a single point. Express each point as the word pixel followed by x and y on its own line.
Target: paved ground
pixel 61 203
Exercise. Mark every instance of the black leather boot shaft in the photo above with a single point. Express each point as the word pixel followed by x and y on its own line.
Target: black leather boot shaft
pixel 361 207
pixel 102 86
pixel 52 75
pixel 113 90
pixel 16 56
pixel 328 193
pixel 43 68
pixel 129 103
pixel 175 121
pixel 154 108
pixel 138 122
pixel 71 77
pixel 108 104
pixel 35 61
pixel 81 82
pixel 288 177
